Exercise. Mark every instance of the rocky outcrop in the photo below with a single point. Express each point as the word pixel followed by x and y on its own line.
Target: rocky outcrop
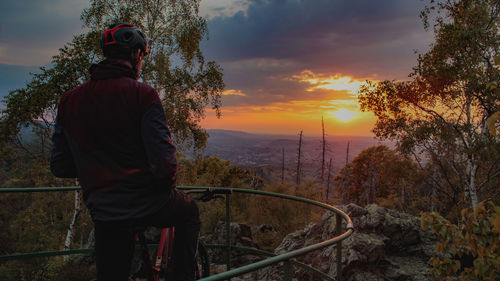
pixel 241 236
pixel 386 245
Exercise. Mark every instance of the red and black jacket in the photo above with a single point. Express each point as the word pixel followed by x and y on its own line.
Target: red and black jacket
pixel 111 133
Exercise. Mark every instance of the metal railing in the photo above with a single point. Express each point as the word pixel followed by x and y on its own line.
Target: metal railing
pixel 287 258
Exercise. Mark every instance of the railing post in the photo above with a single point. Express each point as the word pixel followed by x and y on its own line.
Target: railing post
pixel 338 231
pixel 287 270
pixel 228 232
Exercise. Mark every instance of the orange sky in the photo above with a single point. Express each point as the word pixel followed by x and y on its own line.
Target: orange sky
pixel 337 105
pixel 288 63
pixel 285 63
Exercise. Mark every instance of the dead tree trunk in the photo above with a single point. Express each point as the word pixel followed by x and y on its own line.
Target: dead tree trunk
pixel 346 175
pixel 347 155
pixel 298 161
pixel 324 148
pixel 328 180
pixel 282 165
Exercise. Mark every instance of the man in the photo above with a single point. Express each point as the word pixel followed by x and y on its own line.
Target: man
pixel 111 133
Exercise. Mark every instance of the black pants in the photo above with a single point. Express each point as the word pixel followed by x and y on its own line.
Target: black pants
pixel 114 241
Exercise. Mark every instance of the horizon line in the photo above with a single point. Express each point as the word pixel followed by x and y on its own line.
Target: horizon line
pixel 287 134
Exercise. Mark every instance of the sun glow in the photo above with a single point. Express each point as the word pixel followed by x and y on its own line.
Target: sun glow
pixel 233 92
pixel 329 82
pixel 344 115
pixel 332 96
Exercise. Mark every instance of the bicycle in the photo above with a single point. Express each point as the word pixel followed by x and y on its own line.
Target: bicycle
pixel 162 267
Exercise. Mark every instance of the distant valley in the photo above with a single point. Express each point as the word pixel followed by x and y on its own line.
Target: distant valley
pixel 263 153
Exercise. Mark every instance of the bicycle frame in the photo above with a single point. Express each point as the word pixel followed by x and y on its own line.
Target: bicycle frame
pixel 165 247
pixel 166 243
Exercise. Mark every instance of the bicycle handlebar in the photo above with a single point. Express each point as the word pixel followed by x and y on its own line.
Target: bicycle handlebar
pixel 218 191
pixel 213 193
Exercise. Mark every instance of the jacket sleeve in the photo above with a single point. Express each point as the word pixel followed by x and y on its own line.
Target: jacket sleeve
pixel 62 164
pixel 158 144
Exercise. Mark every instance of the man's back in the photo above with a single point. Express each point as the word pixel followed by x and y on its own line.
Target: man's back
pixel 112 133
pixel 102 118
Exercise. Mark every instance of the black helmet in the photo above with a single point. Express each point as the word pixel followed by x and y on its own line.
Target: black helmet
pixel 124 35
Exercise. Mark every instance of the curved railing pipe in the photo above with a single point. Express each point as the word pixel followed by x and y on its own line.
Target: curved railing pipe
pixel 286 258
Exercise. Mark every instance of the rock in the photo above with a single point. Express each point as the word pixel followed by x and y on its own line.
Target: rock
pixel 266 237
pixel 354 210
pixel 241 235
pixel 358 275
pixel 386 245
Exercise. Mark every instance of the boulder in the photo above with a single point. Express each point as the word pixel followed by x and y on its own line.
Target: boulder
pixel 241 236
pixel 386 245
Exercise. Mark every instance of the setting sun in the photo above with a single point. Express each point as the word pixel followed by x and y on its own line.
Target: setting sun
pixel 332 96
pixel 344 115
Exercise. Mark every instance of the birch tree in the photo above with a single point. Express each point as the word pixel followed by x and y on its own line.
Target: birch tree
pixel 175 67
pixel 439 115
pixel 71 228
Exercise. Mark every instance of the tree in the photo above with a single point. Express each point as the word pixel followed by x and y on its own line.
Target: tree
pixel 175 67
pixel 439 115
pixel 377 175
pixel 212 171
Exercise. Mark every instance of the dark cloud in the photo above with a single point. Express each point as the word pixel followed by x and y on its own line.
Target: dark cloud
pixel 260 47
pixel 268 24
pixel 363 38
pixel 325 34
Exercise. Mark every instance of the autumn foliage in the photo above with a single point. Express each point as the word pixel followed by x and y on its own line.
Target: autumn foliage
pixel 469 250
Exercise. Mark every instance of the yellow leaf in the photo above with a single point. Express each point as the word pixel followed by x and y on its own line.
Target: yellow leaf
pixel 497 60
pixel 491 86
pixel 496 224
pixel 491 122
pixel 464 212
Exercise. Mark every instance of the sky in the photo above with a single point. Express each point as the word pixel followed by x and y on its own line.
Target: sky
pixel 287 63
